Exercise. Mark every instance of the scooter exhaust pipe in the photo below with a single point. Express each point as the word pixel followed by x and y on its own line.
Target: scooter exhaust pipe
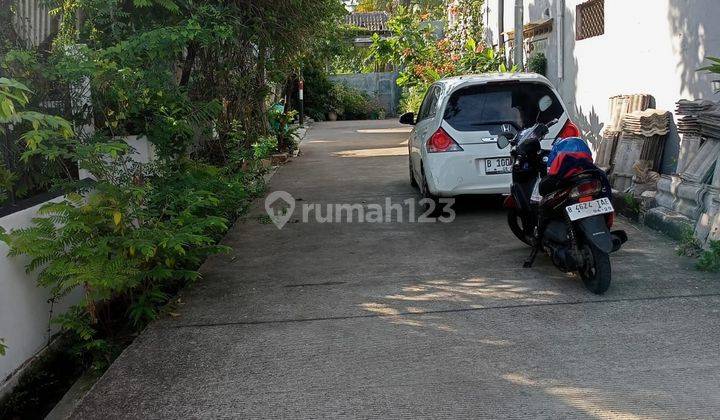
pixel 619 237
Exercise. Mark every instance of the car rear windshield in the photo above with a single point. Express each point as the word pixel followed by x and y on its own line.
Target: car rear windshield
pixel 487 107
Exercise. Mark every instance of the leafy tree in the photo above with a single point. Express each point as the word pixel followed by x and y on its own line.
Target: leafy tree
pixel 422 59
pixel 194 77
pixel 434 8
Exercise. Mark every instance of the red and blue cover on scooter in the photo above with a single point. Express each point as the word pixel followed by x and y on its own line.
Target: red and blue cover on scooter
pixel 570 157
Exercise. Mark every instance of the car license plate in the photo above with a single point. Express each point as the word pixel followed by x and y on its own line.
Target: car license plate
pixel 501 165
pixel 591 208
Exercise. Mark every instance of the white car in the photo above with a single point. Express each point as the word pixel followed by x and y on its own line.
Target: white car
pixel 453 149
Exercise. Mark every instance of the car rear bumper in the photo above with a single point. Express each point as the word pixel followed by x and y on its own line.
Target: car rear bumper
pixel 461 173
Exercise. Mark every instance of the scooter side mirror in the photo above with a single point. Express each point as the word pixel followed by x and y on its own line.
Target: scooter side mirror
pixel 545 103
pixel 504 139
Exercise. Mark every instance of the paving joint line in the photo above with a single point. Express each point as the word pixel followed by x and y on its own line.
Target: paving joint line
pixel 439 311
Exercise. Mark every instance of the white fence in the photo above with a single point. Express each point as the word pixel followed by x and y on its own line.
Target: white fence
pixel 32 21
pixel 24 307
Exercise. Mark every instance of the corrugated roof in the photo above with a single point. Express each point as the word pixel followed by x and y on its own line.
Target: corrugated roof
pixel 372 21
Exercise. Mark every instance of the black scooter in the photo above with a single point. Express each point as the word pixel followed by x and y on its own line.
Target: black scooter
pixel 570 219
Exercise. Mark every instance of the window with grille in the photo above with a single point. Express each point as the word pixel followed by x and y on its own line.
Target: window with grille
pixel 590 18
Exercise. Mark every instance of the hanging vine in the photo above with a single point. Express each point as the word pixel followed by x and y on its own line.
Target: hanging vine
pixel 465 22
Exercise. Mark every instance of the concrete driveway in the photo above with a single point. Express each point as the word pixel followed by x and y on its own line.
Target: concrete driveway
pixel 414 319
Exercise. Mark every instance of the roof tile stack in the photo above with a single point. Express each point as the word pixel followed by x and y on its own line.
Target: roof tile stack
pixel 690 110
pixel 686 107
pixel 620 105
pixel 710 124
pixel 648 123
pixel 642 140
pixel 689 124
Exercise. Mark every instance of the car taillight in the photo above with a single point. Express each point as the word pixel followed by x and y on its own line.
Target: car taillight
pixel 441 141
pixel 586 189
pixel 569 130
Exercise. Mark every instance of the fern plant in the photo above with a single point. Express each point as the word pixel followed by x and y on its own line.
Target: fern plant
pixel 123 243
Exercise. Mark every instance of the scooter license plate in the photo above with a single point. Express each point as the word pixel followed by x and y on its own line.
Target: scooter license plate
pixel 588 209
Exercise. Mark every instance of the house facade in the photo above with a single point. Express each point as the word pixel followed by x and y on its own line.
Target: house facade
pixel 597 49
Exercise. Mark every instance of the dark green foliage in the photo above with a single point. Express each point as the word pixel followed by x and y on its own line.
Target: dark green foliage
pixel 195 79
pixel 43 383
pixel 129 245
pixel 710 259
pixel 353 104
pixel 689 245
pixel 318 93
pixel 323 96
pixel 537 64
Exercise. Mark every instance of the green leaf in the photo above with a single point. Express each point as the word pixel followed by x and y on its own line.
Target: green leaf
pixel 470 45
pixel 432 74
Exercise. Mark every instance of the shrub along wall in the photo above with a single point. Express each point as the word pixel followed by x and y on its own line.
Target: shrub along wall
pixel 380 87
pixel 195 79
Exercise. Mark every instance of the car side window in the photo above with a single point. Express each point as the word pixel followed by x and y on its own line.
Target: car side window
pixel 435 99
pixel 427 108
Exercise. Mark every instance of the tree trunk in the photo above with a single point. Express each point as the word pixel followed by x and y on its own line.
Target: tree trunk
pixel 260 84
pixel 519 47
pixel 188 65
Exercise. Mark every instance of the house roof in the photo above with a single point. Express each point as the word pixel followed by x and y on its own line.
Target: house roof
pixel 532 29
pixel 372 21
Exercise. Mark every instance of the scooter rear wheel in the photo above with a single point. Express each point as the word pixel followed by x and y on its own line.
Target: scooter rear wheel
pixel 515 222
pixel 597 272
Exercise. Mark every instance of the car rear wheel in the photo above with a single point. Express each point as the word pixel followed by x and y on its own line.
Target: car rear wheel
pixel 413 182
pixel 430 201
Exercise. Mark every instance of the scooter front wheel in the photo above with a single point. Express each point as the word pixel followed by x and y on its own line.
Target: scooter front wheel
pixel 596 273
pixel 516 224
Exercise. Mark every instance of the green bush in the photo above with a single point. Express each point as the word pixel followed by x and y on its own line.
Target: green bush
pixel 318 96
pixel 264 147
pixel 538 64
pixel 412 99
pixel 129 244
pixel 353 104
pixel 689 246
pixel 710 259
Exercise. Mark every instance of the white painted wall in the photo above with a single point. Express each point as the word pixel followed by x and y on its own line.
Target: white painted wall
pixel 649 46
pixel 24 307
